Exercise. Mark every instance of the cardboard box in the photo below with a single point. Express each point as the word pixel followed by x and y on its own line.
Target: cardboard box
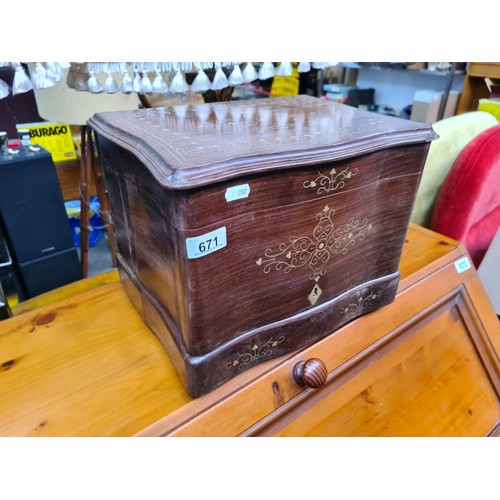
pixel 426 105
pixel 415 66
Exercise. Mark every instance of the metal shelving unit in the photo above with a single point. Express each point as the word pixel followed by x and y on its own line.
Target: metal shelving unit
pixel 399 67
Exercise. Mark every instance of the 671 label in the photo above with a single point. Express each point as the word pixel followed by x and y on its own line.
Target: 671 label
pixel 206 243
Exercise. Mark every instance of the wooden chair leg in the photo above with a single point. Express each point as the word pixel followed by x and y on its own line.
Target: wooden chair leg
pixel 103 198
pixel 85 168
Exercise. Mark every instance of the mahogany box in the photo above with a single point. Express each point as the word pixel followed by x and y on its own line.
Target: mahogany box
pixel 250 229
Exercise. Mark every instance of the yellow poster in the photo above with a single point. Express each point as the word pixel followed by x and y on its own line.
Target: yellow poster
pixel 286 85
pixel 56 138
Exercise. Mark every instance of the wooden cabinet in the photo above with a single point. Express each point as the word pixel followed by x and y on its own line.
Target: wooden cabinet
pixel 474 86
pixel 425 365
pixel 432 375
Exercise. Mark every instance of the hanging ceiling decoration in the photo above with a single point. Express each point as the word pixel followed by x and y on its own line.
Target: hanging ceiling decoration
pixel 146 77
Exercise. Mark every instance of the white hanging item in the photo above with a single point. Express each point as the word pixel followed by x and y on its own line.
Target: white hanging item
pixel 83 76
pixel 178 84
pixel 304 67
pixel 220 79
pixel 4 89
pixel 165 67
pixel 39 77
pixel 21 81
pixel 136 86
pixel 159 85
pixel 285 69
pixel 249 73
pixel 146 86
pixel 127 86
pixel 201 83
pixel 54 71
pixel 93 83
pixel 110 86
pixel 266 71
pixel 236 78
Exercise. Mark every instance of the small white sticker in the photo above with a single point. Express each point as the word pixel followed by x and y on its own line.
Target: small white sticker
pixel 237 192
pixel 206 243
pixel 462 265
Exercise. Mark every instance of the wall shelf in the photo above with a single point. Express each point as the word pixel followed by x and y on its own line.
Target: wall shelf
pixel 397 67
pixel 395 85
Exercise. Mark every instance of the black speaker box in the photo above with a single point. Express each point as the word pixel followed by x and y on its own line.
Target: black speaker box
pixel 35 223
pixel 49 272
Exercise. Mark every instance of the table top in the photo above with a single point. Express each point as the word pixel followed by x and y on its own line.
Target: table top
pixel 87 365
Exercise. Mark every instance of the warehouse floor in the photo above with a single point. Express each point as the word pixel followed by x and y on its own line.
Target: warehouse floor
pixel 99 260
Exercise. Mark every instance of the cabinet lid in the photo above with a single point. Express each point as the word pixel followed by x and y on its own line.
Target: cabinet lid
pixel 193 145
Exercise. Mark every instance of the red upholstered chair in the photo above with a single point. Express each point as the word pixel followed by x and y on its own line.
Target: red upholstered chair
pixel 468 206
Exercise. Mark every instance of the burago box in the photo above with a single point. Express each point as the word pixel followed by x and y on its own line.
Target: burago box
pixel 54 137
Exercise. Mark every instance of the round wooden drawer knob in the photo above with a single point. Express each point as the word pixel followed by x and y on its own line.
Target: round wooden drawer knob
pixel 311 373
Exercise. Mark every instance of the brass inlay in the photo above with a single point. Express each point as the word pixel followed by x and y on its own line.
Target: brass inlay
pixel 331 182
pixel 257 352
pixel 314 295
pixel 363 303
pixel 316 250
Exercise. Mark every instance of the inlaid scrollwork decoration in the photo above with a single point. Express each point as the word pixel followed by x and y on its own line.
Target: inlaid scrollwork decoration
pixel 254 354
pixel 331 182
pixel 315 250
pixel 362 303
